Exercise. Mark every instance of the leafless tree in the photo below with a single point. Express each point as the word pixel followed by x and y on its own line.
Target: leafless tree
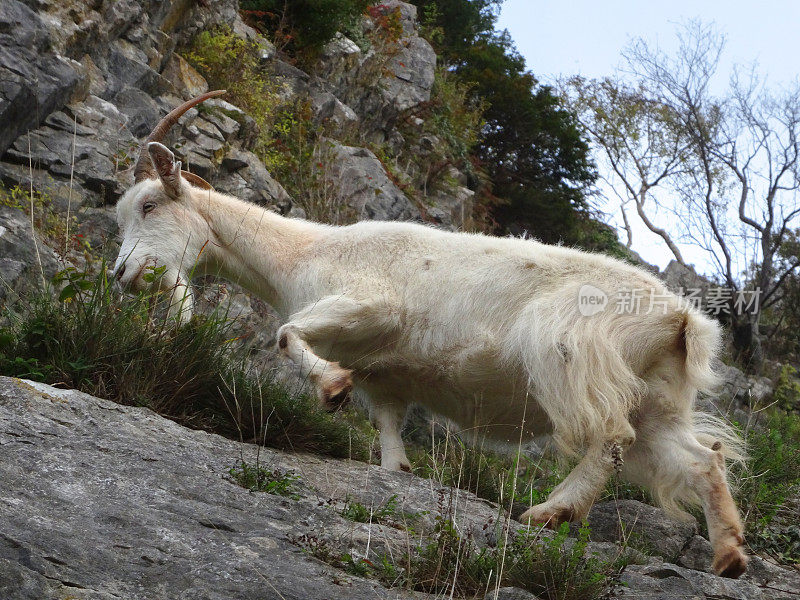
pixel 726 166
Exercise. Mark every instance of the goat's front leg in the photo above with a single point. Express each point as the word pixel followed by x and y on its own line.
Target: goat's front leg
pixel 330 321
pixel 387 418
pixel 571 499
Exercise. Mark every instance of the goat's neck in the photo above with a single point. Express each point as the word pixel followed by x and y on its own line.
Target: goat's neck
pixel 255 247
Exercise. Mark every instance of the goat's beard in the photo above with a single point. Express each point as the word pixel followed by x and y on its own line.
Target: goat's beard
pixel 181 299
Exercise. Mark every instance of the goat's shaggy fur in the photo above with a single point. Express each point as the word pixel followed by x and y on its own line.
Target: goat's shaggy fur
pixel 484 331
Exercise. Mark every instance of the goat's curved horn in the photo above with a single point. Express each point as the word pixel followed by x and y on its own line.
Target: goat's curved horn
pixel 144 167
pixel 196 180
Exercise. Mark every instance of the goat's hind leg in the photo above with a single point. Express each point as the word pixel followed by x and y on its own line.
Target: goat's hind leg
pixel 676 467
pixel 330 321
pixel 571 499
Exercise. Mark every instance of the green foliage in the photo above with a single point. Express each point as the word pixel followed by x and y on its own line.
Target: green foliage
pixel 232 63
pixel 554 568
pixel 451 125
pixel 355 511
pixel 770 477
pixel 260 479
pixel 787 389
pixel 303 26
pixel 88 337
pixel 301 158
pixel 453 564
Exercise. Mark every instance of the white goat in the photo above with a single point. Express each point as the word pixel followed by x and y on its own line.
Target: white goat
pixel 487 332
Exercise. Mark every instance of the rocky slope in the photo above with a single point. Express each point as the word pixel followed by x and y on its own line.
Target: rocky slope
pixel 102 501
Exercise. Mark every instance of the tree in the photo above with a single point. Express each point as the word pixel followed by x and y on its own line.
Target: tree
pixel 531 147
pixel 727 167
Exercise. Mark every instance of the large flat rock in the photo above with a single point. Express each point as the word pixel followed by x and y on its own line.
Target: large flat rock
pixel 104 501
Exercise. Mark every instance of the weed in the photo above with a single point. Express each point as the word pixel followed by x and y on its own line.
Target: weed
pixel 355 511
pixel 555 568
pixel 765 483
pixel 260 479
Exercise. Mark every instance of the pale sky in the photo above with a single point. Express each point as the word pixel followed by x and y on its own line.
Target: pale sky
pixel 586 37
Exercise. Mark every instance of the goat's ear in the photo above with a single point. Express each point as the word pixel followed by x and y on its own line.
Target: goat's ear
pixel 168 169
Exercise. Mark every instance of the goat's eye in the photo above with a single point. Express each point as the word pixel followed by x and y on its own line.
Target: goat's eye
pixel 148 206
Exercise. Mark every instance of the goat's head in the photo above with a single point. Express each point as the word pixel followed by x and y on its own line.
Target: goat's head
pixel 162 233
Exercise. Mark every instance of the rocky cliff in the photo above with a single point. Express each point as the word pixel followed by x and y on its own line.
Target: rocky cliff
pixel 83 82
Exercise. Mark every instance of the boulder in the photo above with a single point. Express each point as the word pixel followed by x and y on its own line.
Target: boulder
pixel 246 177
pixel 670 582
pixel 101 500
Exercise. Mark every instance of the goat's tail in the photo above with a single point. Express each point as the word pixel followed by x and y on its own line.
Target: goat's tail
pixel 702 340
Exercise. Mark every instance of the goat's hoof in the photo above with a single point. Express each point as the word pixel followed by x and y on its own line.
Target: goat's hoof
pixel 731 562
pixel 552 518
pixel 335 393
pixel 401 465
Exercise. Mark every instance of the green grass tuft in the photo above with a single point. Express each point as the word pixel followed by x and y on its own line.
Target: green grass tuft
pixel 91 338
pixel 260 479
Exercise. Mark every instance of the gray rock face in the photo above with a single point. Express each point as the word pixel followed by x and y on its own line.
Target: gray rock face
pixel 642 525
pixel 89 140
pixel 363 182
pixel 101 501
pixel 25 58
pixel 509 593
pixel 670 582
pixel 377 89
pixel 21 252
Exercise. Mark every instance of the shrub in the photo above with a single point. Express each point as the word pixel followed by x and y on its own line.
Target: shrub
pixel 787 389
pixel 303 26
pixel 301 159
pixel 90 338
pixel 233 63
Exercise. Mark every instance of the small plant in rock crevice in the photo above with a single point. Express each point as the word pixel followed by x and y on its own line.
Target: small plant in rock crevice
pixel 451 562
pixel 257 478
pixel 767 486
